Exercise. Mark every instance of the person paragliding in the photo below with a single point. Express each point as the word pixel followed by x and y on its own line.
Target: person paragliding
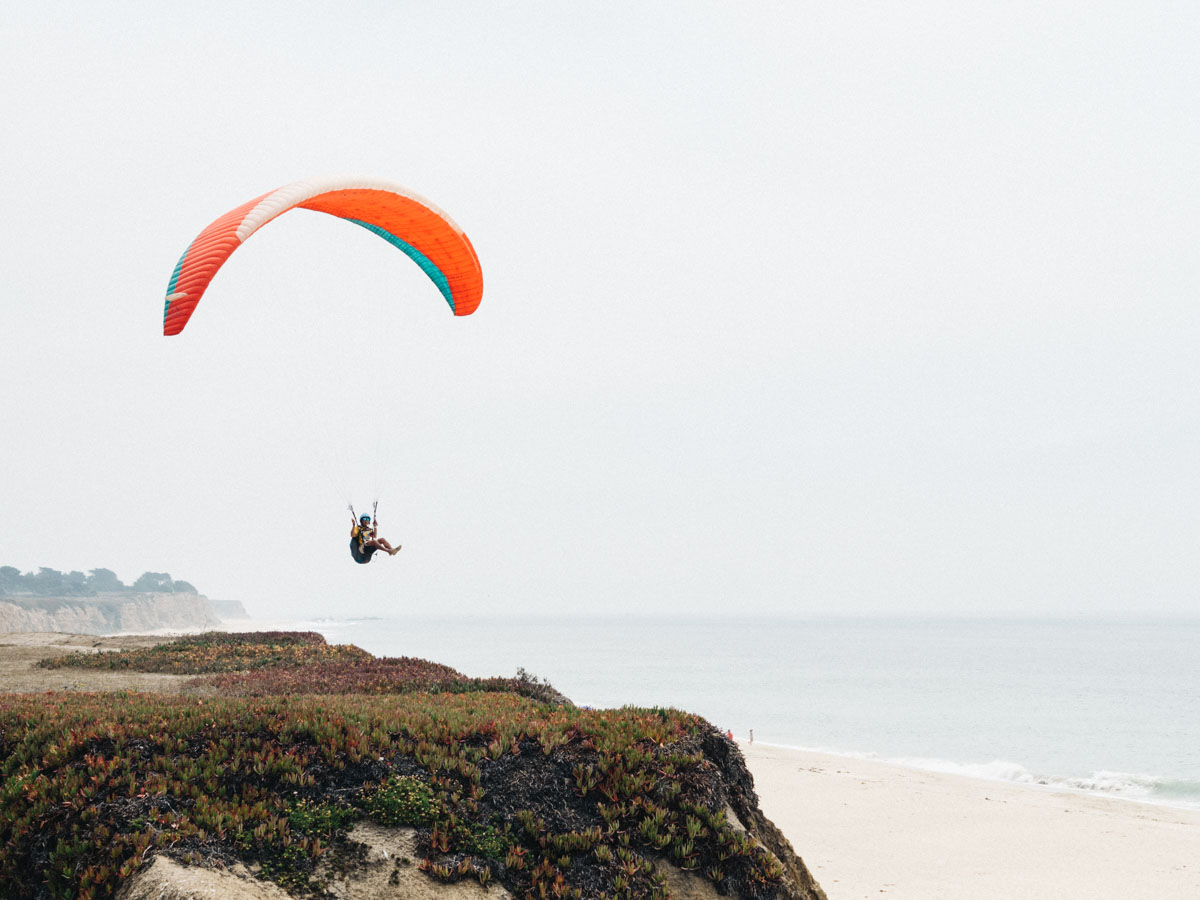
pixel 405 220
pixel 365 539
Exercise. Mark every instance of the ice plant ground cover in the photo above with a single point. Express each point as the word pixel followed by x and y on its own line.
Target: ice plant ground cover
pixel 388 675
pixel 291 663
pixel 546 798
pixel 217 651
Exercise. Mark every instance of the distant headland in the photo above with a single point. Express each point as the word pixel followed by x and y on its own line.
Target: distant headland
pixel 98 602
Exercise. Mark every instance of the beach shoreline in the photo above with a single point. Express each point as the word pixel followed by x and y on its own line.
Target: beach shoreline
pixel 868 828
pixel 1120 787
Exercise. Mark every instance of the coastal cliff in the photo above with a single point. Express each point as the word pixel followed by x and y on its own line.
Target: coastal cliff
pixel 108 613
pixel 391 776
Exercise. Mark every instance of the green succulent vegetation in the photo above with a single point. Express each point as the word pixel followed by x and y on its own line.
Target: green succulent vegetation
pixel 314 818
pixel 548 799
pixel 216 651
pixel 401 800
pixel 279 663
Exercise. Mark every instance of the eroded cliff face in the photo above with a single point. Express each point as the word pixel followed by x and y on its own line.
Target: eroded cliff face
pixel 108 614
pixel 742 802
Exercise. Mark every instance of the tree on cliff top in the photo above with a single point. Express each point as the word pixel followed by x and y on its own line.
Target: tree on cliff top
pixel 10 580
pixel 105 580
pixel 47 582
pixel 53 583
pixel 153 581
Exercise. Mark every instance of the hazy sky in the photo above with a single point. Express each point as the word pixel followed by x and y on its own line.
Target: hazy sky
pixel 807 308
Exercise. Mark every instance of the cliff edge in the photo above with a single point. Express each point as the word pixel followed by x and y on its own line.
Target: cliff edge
pixel 270 764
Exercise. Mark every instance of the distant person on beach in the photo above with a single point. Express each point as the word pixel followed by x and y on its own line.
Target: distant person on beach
pixel 752 735
pixel 365 540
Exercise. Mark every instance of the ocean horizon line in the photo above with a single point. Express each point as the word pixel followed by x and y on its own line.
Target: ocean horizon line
pixel 798 618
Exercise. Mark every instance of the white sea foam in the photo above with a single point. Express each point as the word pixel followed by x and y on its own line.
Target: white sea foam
pixel 1140 787
pixel 996 770
pixel 1125 785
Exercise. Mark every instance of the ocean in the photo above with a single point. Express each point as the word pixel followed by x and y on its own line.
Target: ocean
pixel 1097 706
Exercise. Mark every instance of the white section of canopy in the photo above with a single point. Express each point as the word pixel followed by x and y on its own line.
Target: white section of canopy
pixel 288 196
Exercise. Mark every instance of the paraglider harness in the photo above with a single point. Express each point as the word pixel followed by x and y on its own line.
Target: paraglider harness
pixel 361 534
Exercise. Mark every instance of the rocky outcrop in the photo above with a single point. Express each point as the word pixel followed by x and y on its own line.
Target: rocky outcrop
pixel 165 879
pixel 229 609
pixel 387 866
pixel 108 613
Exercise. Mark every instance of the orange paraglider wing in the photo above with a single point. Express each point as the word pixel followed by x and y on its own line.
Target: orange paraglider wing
pixel 404 219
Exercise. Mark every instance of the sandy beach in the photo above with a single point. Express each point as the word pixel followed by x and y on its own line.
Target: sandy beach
pixel 871 829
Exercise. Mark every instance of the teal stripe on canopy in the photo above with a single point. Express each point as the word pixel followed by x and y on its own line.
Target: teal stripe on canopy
pixel 427 265
pixel 175 279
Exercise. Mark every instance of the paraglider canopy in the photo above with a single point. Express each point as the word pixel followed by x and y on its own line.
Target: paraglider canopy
pixel 399 216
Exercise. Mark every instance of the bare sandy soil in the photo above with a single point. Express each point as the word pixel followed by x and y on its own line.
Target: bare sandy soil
pixel 20 652
pixel 165 879
pixel 389 870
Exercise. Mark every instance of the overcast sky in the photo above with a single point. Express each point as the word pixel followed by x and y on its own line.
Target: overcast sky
pixel 837 308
